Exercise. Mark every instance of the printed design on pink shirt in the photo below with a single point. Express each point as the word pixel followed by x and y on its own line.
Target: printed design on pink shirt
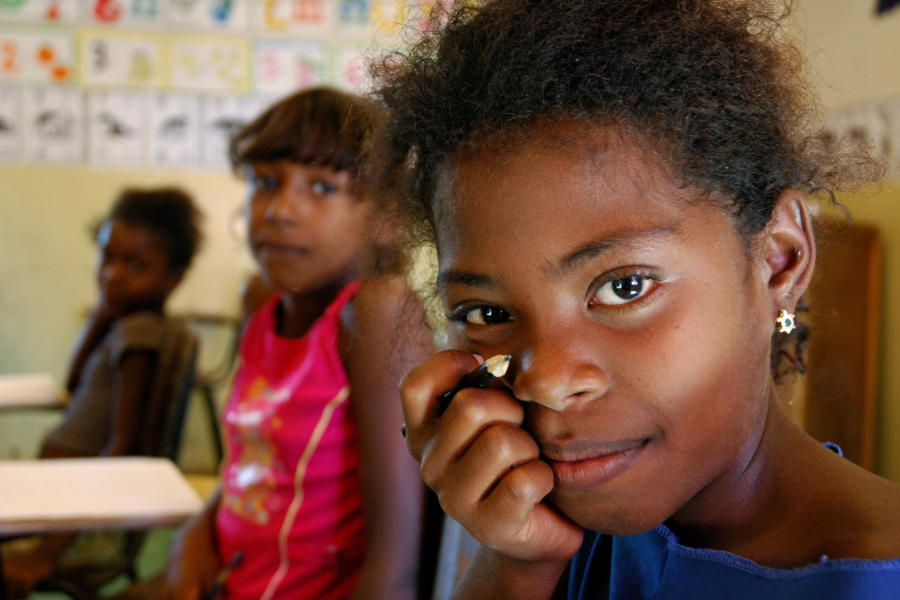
pixel 252 476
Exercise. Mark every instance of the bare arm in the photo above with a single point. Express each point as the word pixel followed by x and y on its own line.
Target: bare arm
pixel 131 392
pixel 385 334
pixel 194 555
pixel 494 575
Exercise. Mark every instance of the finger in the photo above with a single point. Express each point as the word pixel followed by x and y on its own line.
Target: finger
pixel 471 412
pixel 518 492
pixel 535 529
pixel 421 386
pixel 498 450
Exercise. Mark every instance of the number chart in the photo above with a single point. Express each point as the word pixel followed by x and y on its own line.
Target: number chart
pixel 164 82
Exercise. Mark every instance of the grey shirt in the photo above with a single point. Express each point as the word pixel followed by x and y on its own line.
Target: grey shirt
pixel 87 424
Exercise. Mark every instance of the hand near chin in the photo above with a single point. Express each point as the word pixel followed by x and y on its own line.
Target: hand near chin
pixel 484 467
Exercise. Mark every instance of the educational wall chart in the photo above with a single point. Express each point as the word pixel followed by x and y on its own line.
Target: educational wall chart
pixel 164 82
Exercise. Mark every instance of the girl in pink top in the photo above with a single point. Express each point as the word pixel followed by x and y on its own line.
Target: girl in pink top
pixel 319 498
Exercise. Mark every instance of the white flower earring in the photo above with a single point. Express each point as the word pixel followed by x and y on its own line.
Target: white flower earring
pixel 785 321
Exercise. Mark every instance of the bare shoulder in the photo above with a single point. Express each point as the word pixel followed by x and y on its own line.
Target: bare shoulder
pixel 385 319
pixel 382 302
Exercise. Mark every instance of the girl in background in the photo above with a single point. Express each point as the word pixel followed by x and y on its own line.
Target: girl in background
pixel 145 244
pixel 619 191
pixel 319 498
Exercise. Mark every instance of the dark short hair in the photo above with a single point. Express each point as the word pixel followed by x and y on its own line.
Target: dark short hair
pixel 319 126
pixel 170 213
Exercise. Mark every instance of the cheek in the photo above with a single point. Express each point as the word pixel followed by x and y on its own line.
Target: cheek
pixel 706 362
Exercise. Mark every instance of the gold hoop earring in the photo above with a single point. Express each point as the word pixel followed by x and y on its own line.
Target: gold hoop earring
pixel 785 320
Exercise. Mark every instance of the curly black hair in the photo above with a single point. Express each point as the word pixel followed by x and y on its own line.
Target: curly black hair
pixel 169 213
pixel 714 85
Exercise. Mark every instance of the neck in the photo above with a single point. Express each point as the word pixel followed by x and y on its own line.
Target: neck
pixel 747 502
pixel 297 312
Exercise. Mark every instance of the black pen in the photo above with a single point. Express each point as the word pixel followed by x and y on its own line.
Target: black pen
pixel 216 588
pixel 488 371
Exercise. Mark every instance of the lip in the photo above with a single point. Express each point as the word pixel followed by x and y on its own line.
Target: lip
pixel 275 249
pixel 583 470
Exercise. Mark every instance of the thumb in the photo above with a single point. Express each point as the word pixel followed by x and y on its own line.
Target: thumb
pixel 552 534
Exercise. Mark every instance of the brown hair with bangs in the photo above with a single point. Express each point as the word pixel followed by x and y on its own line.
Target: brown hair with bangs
pixel 318 126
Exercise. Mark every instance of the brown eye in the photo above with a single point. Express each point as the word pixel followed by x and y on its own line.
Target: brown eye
pixel 486 315
pixel 623 290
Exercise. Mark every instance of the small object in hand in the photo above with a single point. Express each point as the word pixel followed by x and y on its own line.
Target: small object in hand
pixel 403 430
pixel 219 584
pixel 491 369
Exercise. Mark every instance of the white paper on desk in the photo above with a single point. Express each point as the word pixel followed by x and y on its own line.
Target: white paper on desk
pixel 28 389
pixel 116 492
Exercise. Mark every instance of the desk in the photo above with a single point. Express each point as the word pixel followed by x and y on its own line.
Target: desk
pixel 42 496
pixel 54 495
pixel 29 390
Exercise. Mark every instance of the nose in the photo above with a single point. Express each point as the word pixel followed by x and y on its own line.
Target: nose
pixel 556 372
pixel 284 204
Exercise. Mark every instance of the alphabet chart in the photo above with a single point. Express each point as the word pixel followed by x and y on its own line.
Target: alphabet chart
pixel 164 82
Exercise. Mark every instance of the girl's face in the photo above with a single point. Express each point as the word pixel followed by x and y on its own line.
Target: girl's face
pixel 133 269
pixel 634 313
pixel 305 227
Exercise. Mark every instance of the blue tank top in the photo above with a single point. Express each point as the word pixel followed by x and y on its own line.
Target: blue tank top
pixel 655 565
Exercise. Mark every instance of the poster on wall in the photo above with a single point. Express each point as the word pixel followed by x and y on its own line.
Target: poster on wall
pixel 301 17
pixel 372 18
pixel 117 128
pixel 36 56
pixel 164 82
pixel 209 64
pixel 132 13
pixel 220 15
pixel 174 130
pixel 11 118
pixel 53 118
pixel 119 59
pixel 39 11
pixel 281 66
pixel 220 117
pixel 351 70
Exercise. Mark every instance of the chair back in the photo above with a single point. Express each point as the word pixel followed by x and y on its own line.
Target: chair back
pixel 167 405
pixel 160 436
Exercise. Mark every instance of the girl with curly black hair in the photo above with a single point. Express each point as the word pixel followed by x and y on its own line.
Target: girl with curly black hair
pixel 620 194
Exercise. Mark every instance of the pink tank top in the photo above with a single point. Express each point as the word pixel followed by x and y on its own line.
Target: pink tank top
pixel 291 499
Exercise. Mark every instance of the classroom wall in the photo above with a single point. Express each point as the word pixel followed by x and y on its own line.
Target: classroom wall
pixel 46 257
pixel 47 282
pixel 853 62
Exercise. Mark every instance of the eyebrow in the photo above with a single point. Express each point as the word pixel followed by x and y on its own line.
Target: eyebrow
pixel 569 262
pixel 599 246
pixel 465 278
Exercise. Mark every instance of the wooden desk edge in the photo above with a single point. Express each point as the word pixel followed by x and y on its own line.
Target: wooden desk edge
pixel 37 526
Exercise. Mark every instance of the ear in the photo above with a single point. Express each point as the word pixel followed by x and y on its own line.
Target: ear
pixel 790 251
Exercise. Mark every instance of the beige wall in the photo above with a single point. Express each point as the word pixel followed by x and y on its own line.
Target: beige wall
pixel 46 270
pixel 853 58
pixel 853 54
